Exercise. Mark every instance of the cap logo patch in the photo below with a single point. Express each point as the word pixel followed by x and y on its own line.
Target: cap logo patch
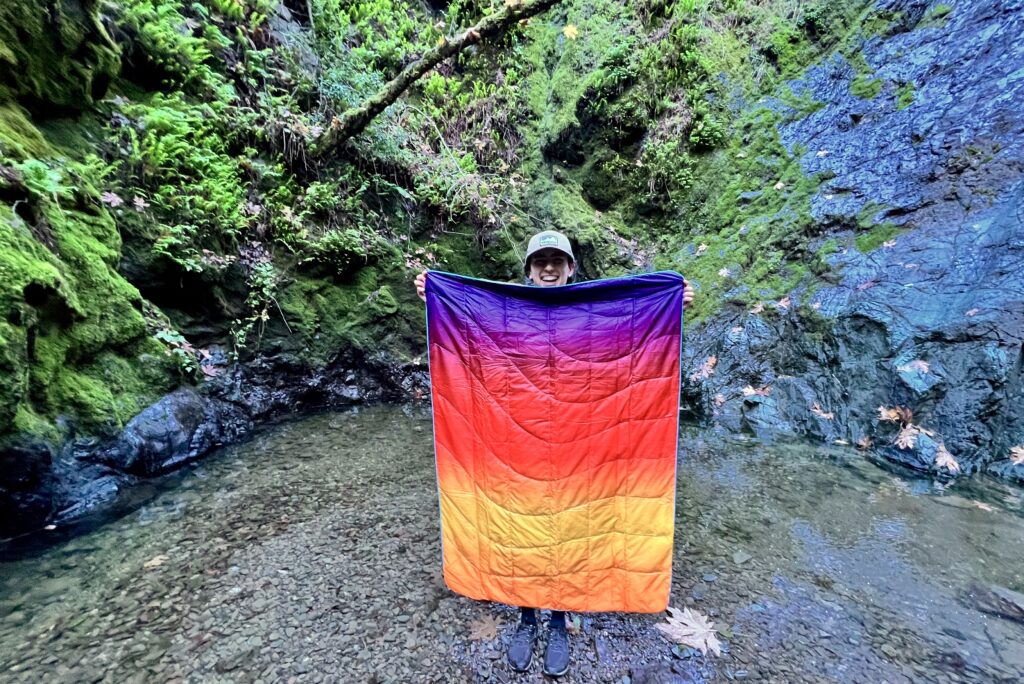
pixel 548 240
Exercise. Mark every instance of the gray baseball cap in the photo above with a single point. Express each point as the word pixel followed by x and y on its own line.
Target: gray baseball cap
pixel 545 239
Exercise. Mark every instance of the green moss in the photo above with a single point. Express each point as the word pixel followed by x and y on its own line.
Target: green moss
pixel 876 236
pixel 936 16
pixel 60 56
pixel 865 87
pixel 904 96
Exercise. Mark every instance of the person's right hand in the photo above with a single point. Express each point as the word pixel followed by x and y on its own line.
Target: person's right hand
pixel 421 285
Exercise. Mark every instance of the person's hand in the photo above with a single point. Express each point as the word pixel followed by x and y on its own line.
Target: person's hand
pixel 687 293
pixel 421 285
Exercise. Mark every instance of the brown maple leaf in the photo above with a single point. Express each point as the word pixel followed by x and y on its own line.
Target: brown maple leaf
pixel 484 627
pixel 907 437
pixel 706 369
pixel 784 302
pixel 692 629
pixel 758 308
pixel 944 459
pixel 818 411
pixel 865 442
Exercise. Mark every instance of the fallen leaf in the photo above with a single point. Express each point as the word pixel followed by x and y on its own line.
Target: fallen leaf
pixel 139 203
pixel 907 437
pixel 822 153
pixel 691 629
pixel 784 302
pixel 724 273
pixel 573 625
pixel 484 627
pixel 112 199
pixel 758 308
pixel 736 329
pixel 972 312
pixel 867 285
pixel 211 371
pixel 155 562
pixel 571 32
pixel 944 459
pixel 719 399
pixel 865 442
pixel 982 506
pixel 889 243
pixel 818 411
pixel 749 391
pixel 701 248
pixel 816 305
pixel 706 369
pixel 1017 455
pixel 916 365
pixel 899 414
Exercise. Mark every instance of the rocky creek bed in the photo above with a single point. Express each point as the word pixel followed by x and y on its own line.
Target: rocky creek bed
pixel 311 553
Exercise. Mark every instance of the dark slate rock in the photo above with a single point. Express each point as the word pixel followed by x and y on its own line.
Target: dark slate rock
pixel 949 291
pixel 180 427
pixel 26 486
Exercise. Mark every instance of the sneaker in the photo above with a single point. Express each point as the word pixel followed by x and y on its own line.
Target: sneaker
pixel 520 651
pixel 556 656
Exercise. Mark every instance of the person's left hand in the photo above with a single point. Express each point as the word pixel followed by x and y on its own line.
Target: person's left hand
pixel 687 293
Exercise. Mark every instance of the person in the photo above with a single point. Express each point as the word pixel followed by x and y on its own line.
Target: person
pixel 549 262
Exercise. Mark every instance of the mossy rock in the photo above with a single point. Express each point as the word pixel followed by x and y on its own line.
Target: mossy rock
pixel 56 54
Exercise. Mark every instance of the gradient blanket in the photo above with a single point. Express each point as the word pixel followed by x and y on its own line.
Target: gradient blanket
pixel 555 430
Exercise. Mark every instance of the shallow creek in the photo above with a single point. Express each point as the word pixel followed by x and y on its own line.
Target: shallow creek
pixel 311 553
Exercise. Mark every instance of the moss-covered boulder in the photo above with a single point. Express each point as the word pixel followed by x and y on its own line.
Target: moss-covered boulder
pixel 56 53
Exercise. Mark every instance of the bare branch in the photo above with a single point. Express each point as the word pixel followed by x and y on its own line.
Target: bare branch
pixel 354 121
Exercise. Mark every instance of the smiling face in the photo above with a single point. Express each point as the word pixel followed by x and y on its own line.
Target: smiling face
pixel 550 266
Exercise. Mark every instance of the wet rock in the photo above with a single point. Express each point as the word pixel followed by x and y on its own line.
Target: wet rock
pixel 932 319
pixel 997 600
pixel 26 486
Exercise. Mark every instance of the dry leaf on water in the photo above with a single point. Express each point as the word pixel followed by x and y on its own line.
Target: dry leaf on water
pixel 971 312
pixel 944 459
pixel 155 562
pixel 1017 455
pixel 484 627
pixel 692 629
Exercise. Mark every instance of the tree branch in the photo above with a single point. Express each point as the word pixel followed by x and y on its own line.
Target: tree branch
pixel 354 121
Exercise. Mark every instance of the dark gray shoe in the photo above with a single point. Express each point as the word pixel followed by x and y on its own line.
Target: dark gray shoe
pixel 556 655
pixel 520 651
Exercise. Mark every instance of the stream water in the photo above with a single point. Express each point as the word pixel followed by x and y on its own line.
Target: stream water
pixel 311 553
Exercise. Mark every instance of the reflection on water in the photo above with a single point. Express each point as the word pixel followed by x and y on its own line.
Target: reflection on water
pixel 814 563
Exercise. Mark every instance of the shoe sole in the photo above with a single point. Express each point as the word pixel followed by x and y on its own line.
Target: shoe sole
pixel 556 674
